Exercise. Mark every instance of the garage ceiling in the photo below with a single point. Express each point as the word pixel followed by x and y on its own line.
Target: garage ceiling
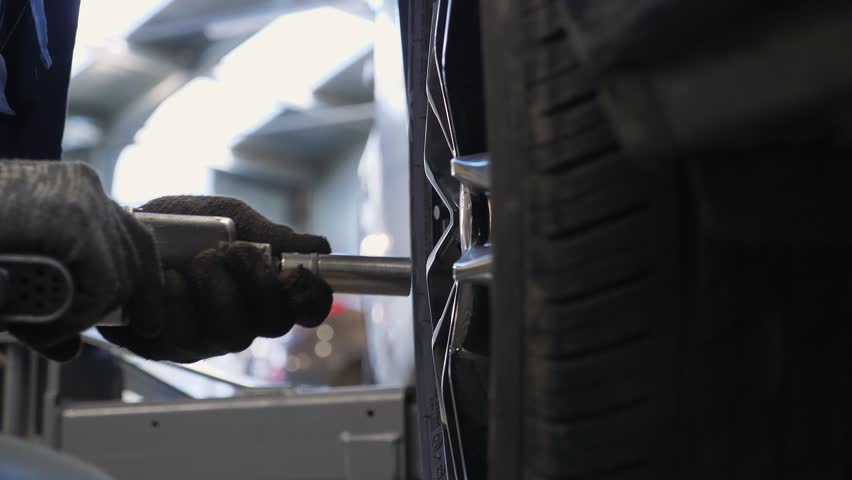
pixel 120 85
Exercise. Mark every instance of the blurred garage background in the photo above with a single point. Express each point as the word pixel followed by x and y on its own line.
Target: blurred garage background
pixel 296 107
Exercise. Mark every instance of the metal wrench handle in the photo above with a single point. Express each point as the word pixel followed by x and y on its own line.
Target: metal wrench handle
pixel 387 276
pixel 180 237
pixel 355 274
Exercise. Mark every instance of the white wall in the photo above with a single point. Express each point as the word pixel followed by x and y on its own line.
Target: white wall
pixel 335 202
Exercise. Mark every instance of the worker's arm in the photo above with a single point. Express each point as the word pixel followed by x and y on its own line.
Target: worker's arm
pixel 36 90
pixel 217 304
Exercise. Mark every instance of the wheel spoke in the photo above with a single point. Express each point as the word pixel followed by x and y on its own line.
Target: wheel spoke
pixel 460 262
pixel 460 314
pixel 436 91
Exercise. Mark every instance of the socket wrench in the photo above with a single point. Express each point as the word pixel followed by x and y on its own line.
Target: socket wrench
pixel 37 289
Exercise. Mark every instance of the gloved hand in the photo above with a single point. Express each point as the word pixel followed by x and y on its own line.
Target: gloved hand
pixel 230 295
pixel 60 209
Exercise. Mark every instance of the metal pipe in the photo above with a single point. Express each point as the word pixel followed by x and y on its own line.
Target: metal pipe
pixel 355 274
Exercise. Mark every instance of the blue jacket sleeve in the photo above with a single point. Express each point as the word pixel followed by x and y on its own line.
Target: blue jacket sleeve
pixel 38 73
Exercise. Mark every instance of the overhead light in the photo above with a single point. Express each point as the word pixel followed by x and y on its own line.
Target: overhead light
pixel 322 349
pixel 325 332
pixel 293 364
pixel 375 244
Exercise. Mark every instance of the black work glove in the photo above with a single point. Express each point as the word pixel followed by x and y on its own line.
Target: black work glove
pixel 230 295
pixel 59 209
